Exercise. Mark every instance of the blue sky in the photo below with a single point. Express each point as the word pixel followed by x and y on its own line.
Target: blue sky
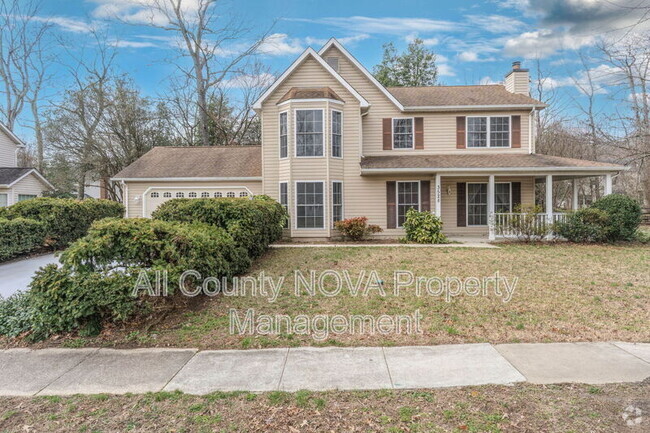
pixel 475 41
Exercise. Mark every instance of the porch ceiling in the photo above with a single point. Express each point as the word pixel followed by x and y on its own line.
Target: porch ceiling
pixel 485 163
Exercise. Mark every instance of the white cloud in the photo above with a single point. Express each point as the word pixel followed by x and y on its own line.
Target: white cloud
pixel 385 25
pixel 118 43
pixel 444 70
pixel 496 23
pixel 345 40
pixel 68 24
pixel 138 11
pixel 427 42
pixel 488 80
pixel 473 56
pixel 280 44
pixel 247 81
pixel 600 77
pixel 543 43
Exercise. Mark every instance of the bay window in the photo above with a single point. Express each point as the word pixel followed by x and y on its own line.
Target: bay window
pixel 337 133
pixel 309 132
pixel 337 201
pixel 284 143
pixel 310 205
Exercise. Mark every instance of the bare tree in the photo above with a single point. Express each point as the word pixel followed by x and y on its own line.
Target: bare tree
pixel 23 63
pixel 204 35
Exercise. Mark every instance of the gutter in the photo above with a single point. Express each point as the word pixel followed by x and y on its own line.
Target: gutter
pixel 184 179
pixel 488 169
pixel 473 107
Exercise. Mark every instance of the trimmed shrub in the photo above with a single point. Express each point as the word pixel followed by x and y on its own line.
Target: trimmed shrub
pixel 253 224
pixel 357 228
pixel 100 271
pixel 584 225
pixel 524 224
pixel 423 227
pixel 65 220
pixel 19 236
pixel 15 314
pixel 624 216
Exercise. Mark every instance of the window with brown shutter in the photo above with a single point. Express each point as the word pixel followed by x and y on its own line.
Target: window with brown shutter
pixel 387 126
pixel 461 205
pixel 516 195
pixel 419 132
pixel 516 131
pixel 425 195
pixel 391 210
pixel 460 132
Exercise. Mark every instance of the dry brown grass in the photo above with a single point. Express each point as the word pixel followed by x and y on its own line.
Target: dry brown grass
pixel 521 408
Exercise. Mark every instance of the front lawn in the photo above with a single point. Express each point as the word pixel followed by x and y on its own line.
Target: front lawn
pixel 564 293
pixel 518 408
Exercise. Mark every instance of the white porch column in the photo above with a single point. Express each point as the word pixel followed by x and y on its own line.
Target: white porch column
pixel 490 209
pixel 438 196
pixel 549 203
pixel 608 184
pixel 574 184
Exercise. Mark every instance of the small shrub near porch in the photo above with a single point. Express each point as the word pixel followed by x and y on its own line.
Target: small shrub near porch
pixel 423 227
pixel 357 228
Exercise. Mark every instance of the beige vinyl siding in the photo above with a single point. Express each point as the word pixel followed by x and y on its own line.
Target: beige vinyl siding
pixel 449 201
pixel 30 185
pixel 439 128
pixel 518 82
pixel 137 189
pixel 7 151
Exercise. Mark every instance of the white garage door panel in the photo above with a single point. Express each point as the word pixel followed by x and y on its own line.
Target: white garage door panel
pixel 155 196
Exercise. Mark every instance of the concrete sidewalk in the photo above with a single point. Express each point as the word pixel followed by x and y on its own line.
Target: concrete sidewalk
pixel 28 372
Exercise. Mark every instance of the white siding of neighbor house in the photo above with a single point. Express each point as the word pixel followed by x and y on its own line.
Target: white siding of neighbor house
pixel 29 185
pixel 7 151
pixel 137 189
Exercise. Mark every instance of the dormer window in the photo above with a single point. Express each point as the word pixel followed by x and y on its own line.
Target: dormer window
pixel 333 62
pixel 403 133
pixel 309 133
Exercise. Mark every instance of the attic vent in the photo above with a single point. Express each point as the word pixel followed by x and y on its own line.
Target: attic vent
pixel 333 62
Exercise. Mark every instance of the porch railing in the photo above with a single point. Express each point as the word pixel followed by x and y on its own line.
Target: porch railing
pixel 517 224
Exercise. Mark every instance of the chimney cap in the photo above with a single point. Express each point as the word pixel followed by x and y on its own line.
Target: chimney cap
pixel 516 65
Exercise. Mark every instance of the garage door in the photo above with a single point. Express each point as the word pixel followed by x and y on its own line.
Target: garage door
pixel 155 196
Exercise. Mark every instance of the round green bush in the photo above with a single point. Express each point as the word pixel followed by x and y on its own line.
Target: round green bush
pixel 423 227
pixel 624 216
pixel 20 236
pixel 584 225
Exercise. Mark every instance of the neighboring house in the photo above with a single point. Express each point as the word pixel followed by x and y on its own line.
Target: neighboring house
pixel 16 183
pixel 337 144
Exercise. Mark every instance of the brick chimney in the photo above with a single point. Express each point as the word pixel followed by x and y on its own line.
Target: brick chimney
pixel 517 80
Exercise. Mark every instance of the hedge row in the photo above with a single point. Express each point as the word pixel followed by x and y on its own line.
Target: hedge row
pixel 20 236
pixel 95 283
pixel 64 220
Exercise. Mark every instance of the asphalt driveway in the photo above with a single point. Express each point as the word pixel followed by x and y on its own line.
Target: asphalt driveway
pixel 15 276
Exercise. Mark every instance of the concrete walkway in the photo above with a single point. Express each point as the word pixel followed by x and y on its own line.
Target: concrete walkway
pixel 17 275
pixel 28 372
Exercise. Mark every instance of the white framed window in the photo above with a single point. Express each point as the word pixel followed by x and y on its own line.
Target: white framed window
pixel 284 135
pixel 4 200
pixel 337 201
pixel 230 194
pixel 243 194
pixel 477 201
pixel 154 195
pixel 180 195
pixel 403 133
pixel 309 133
pixel 192 195
pixel 284 199
pixel 23 197
pixel 167 194
pixel 337 133
pixel 310 205
pixel 218 194
pixel 488 131
pixel 408 196
pixel 205 194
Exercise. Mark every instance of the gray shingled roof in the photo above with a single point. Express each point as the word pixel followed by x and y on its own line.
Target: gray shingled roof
pixel 474 161
pixel 438 96
pixel 8 175
pixel 196 161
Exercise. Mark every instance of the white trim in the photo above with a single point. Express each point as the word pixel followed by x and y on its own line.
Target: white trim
pixel 332 200
pixel 31 171
pixel 309 52
pixel 197 188
pixel 419 182
pixel 488 138
pixel 11 135
pixel 295 132
pixel 332 134
pixel 472 107
pixel 497 170
pixel 297 101
pixel 364 71
pixel 295 204
pixel 392 133
pixel 184 179
pixel 280 157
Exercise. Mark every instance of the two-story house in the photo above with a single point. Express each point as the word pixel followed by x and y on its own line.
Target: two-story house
pixel 17 183
pixel 337 144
